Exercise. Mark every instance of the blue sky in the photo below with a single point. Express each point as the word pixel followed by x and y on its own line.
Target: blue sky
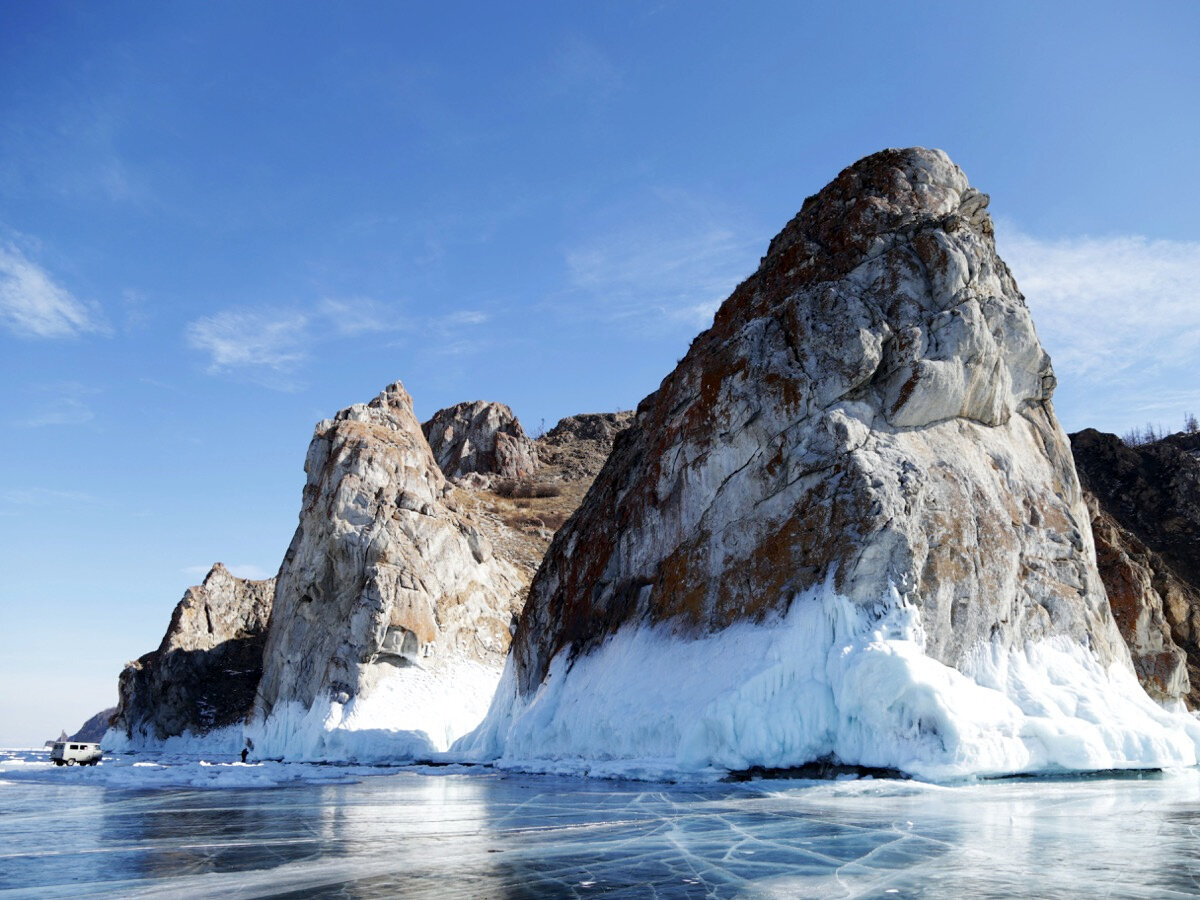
pixel 220 223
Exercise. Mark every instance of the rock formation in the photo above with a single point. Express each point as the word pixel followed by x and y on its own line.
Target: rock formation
pixel 95 728
pixel 480 437
pixel 579 445
pixel 393 572
pixel 1145 506
pixel 520 516
pixel 847 524
pixel 392 613
pixel 205 671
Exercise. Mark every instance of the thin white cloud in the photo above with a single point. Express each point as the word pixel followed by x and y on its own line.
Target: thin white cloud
pixel 46 497
pixel 33 305
pixel 60 411
pixel 1111 303
pixel 676 266
pixel 270 343
pixel 269 346
pixel 355 316
pixel 579 68
pixel 463 318
pixel 58 403
pixel 1120 317
pixel 251 339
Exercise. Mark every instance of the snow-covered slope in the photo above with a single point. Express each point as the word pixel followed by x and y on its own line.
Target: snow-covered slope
pixel 848 523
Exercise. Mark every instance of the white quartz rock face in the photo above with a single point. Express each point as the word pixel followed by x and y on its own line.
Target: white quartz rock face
pixel 869 411
pixel 383 580
pixel 480 438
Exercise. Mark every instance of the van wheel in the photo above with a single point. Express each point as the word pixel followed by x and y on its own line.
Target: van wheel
pixel 70 762
pixel 58 762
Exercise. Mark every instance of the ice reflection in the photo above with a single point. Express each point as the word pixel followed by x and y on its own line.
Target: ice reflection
pixel 490 834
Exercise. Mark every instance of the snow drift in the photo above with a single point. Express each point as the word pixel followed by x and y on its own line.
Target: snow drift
pixel 829 678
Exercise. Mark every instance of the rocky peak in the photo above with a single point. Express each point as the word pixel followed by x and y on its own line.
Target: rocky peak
pixel 480 437
pixel 865 431
pixel 598 427
pixel 221 608
pixel 851 410
pixel 384 576
pixel 206 669
pixel 578 445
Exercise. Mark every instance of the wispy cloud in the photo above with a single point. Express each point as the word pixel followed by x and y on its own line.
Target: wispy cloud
pixel 463 318
pixel 1119 312
pixel 61 411
pixel 271 345
pixel 34 305
pixel 58 403
pixel 39 496
pixel 675 265
pixel 351 317
pixel 579 68
pixel 255 339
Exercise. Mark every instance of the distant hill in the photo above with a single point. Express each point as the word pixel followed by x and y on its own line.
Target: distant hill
pixel 93 729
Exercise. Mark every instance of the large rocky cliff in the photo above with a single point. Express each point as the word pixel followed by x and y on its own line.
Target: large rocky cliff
pixel 392 613
pixel 205 671
pixel 859 459
pixel 1145 507
pixel 385 543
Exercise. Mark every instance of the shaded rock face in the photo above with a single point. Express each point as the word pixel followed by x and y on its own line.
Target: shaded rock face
pixel 382 573
pixel 579 445
pixel 94 728
pixel 205 672
pixel 1146 519
pixel 480 437
pixel 871 406
pixel 1140 588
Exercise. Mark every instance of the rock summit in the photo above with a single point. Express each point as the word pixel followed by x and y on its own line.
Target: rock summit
pixel 846 513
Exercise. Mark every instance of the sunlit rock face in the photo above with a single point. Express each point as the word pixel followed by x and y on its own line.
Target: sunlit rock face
pixel 1145 504
pixel 383 579
pixel 204 673
pixel 873 403
pixel 850 515
pixel 480 437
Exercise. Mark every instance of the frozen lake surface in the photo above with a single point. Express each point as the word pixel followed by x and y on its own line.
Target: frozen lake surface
pixel 178 826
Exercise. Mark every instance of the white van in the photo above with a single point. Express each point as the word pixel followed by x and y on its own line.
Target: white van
pixel 67 753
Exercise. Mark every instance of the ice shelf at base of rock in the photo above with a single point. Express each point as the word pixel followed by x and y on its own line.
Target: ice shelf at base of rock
pixel 413 714
pixel 226 741
pixel 410 715
pixel 828 678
